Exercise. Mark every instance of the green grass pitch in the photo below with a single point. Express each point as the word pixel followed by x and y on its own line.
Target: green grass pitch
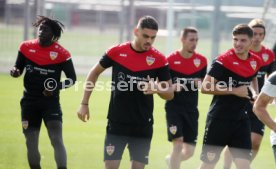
pixel 84 141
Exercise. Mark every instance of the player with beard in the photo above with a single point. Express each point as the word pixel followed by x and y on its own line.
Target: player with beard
pixel 138 72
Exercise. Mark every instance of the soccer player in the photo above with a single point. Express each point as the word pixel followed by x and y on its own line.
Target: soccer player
pixel 43 60
pixel 138 72
pixel 187 69
pixel 228 80
pixel 268 58
pixel 267 94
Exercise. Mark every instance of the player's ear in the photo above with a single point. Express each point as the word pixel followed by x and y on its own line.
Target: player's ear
pixel 182 39
pixel 135 31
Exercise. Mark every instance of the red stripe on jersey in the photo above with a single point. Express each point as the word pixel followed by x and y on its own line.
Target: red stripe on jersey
pixel 186 66
pixel 136 61
pixel 53 54
pixel 244 68
pixel 266 55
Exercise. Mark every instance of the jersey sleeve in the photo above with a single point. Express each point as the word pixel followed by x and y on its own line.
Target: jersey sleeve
pixel 272 66
pixel 163 73
pixel 20 62
pixel 69 70
pixel 216 70
pixel 203 72
pixel 105 61
pixel 269 89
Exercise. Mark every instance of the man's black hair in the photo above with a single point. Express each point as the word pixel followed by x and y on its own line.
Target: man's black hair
pixel 243 29
pixel 56 26
pixel 147 22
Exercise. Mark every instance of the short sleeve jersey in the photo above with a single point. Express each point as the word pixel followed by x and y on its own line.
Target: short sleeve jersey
pixel 41 63
pixel 128 104
pixel 185 71
pixel 231 71
pixel 268 58
pixel 269 87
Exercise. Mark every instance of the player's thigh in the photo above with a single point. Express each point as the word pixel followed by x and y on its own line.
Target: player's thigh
pixel 256 125
pixel 240 144
pixel 175 122
pixel 190 127
pixel 215 139
pixel 114 146
pixel 242 163
pixel 31 114
pixel 52 111
pixel 139 149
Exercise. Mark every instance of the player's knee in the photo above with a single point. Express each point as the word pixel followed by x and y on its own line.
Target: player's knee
pixel 177 146
pixel 56 141
pixel 189 152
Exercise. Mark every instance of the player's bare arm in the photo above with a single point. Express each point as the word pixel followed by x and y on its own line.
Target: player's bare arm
pixel 164 88
pixel 259 109
pixel 92 77
pixel 210 85
pixel 255 87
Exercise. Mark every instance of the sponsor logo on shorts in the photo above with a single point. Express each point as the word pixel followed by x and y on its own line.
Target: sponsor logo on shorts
pixel 173 129
pixel 110 149
pixel 211 156
pixel 25 124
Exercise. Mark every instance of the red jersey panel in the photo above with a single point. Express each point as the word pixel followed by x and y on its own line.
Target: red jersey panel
pixel 232 62
pixel 266 55
pixel 53 54
pixel 135 61
pixel 186 66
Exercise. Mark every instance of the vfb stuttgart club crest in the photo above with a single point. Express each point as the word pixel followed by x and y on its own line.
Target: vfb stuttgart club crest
pixel 265 57
pixel 211 156
pixel 197 62
pixel 110 149
pixel 253 64
pixel 173 129
pixel 53 55
pixel 25 124
pixel 150 60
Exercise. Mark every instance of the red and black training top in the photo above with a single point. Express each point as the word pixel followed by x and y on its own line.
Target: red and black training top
pixel 128 105
pixel 232 71
pixel 269 64
pixel 43 64
pixel 185 71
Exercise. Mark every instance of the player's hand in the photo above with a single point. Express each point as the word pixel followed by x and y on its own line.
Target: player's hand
pixel 241 91
pixel 47 93
pixel 253 99
pixel 83 113
pixel 151 86
pixel 14 72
